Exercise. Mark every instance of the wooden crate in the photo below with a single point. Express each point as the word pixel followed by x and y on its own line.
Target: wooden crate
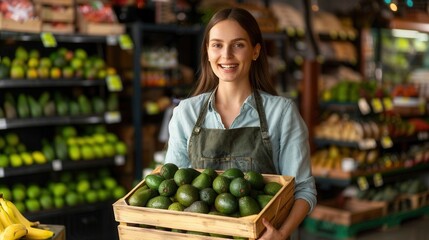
pixel 65 29
pixel 348 212
pixel 55 2
pixel 130 218
pixel 50 15
pixel 91 28
pixel 34 25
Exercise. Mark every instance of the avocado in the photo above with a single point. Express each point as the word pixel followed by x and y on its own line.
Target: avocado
pixel 140 197
pixel 248 206
pixel 167 187
pixel 198 207
pixel 153 181
pixel 187 194
pixel 221 184
pixel 239 187
pixel 211 172
pixel 176 206
pixel 22 106
pixel 98 105
pixel 263 200
pixel 271 188
pixel 160 202
pixel 168 170
pixel 35 108
pixel 232 173
pixel 183 176
pixel 255 179
pixel 202 181
pixel 208 195
pixel 226 203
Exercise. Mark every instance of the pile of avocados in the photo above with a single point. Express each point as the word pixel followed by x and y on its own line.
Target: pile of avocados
pixel 231 193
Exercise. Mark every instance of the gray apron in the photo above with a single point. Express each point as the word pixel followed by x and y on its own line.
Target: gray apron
pixel 247 148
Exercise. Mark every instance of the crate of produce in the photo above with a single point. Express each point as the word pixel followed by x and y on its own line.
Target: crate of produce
pixel 31 25
pixel 98 21
pixel 55 2
pixel 149 223
pixel 348 211
pixel 56 14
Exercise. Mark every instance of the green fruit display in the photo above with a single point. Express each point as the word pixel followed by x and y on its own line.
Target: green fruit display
pixel 248 206
pixel 187 194
pixel 226 203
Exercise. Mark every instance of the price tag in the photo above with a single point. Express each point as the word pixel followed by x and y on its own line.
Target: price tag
pixel 367 144
pixel 48 40
pixel 386 142
pixel 422 107
pixel 125 42
pixel 119 160
pixel 1 172
pixel 333 34
pixel 377 106
pixel 290 31
pixel 114 83
pixel 388 104
pixel 364 106
pixel 112 40
pixel 112 117
pixel 422 136
pixel 378 180
pixel 362 183
pixel 3 123
pixel 57 165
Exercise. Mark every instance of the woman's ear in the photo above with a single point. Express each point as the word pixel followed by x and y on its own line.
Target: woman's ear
pixel 256 51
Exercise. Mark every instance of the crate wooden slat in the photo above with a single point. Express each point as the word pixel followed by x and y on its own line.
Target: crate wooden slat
pixel 353 211
pixel 33 25
pixel 55 2
pixel 251 226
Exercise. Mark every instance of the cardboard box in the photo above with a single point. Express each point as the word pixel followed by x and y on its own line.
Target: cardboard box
pixel 34 25
pixel 348 212
pixel 55 2
pixel 130 218
pixel 50 15
pixel 65 29
pixel 91 28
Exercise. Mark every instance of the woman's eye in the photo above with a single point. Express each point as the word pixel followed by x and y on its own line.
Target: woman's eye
pixel 239 45
pixel 216 45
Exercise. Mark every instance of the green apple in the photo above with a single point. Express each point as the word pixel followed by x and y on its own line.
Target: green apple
pixel 17 72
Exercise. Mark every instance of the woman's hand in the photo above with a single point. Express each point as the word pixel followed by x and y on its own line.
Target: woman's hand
pixel 271 233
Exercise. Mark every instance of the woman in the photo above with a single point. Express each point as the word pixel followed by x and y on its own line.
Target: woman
pixel 236 119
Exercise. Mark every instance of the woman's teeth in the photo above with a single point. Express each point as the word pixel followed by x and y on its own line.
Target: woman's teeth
pixel 228 66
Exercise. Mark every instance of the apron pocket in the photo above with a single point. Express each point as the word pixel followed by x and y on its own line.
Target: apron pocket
pixel 243 163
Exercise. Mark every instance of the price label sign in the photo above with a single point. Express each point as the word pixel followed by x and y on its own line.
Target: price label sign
pixel 362 183
pixel 57 165
pixel 114 83
pixel 48 40
pixel 367 144
pixel 119 160
pixel 388 104
pixel 125 42
pixel 112 117
pixel 1 172
pixel 377 106
pixel 364 106
pixel 3 123
pixel 386 142
pixel 422 136
pixel 378 180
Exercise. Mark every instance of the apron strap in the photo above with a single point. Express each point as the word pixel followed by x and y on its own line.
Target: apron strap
pixel 202 115
pixel 262 118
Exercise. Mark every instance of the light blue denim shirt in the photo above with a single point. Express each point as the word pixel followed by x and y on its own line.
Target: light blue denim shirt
pixel 288 135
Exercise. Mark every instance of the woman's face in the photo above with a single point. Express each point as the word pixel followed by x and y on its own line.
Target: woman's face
pixel 230 51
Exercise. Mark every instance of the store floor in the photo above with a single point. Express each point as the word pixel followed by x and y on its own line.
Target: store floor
pixel 416 229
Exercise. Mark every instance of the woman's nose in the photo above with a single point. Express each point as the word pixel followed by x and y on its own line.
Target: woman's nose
pixel 227 52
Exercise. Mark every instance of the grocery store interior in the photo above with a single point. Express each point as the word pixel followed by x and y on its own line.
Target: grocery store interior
pixel 87 89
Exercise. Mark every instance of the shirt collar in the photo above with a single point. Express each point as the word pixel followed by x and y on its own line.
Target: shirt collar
pixel 250 101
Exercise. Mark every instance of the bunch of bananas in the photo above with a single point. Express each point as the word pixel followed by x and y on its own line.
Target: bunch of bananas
pixel 13 225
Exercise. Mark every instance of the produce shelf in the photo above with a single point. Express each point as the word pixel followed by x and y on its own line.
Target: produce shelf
pixel 36 83
pixel 50 121
pixel 60 165
pixel 71 38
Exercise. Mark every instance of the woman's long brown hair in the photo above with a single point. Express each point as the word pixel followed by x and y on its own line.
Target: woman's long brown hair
pixel 259 75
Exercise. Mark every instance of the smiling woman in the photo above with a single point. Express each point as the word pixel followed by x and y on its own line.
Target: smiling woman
pixel 235 118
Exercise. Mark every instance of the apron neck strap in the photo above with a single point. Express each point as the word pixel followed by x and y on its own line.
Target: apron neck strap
pixel 259 108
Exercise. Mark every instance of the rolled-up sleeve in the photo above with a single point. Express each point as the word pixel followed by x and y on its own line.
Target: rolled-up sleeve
pixel 294 154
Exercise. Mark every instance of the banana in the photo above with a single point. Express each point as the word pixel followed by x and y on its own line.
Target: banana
pixel 38 233
pixel 4 218
pixel 14 231
pixel 15 214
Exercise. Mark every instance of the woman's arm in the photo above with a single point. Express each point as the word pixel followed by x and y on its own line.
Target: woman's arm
pixel 297 214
